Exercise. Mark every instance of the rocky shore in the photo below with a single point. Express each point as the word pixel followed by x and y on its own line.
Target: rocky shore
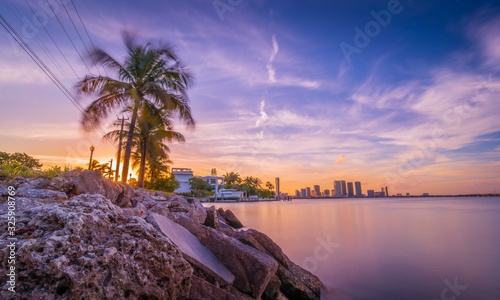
pixel 80 236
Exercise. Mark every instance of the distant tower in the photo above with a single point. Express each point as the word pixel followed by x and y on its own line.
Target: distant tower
pixel 370 193
pixel 317 192
pixel 308 192
pixel 357 187
pixel 303 193
pixel 350 189
pixel 344 189
pixel 382 192
pixel 338 188
pixel 386 192
pixel 278 195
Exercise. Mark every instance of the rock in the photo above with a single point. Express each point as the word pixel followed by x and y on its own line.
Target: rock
pixel 192 249
pixel 34 183
pixel 197 212
pixel 272 290
pixel 220 210
pixel 202 290
pixel 44 195
pixel 297 283
pixel 92 182
pixel 60 183
pixel 124 199
pixel 85 248
pixel 232 219
pixel 253 269
pixel 212 220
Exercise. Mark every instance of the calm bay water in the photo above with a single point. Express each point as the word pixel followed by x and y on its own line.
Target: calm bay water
pixel 416 248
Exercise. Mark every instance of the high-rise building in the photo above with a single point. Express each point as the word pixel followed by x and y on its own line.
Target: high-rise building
pixel 370 193
pixel 317 192
pixel 382 192
pixel 344 188
pixel 297 193
pixel 386 192
pixel 277 181
pixel 308 192
pixel 350 189
pixel 337 185
pixel 357 187
pixel 303 193
pixel 327 193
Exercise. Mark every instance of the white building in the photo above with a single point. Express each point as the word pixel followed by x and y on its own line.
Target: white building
pixel 214 181
pixel 183 175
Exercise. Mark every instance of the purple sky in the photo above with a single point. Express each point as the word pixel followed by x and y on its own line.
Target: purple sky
pixel 283 88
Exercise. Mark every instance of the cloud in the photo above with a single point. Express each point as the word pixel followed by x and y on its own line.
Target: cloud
pixel 270 68
pixel 484 30
pixel 341 159
pixel 263 115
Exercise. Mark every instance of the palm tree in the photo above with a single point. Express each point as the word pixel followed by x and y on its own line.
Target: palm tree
pixel 231 179
pixel 151 75
pixel 153 129
pixel 269 186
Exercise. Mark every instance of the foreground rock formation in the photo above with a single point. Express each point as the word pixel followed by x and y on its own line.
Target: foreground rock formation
pixel 81 236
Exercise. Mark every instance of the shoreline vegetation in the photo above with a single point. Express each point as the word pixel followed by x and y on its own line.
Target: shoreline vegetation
pixel 80 235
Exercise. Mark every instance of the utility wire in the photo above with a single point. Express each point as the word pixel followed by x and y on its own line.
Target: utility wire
pixel 86 31
pixel 54 42
pixel 66 32
pixel 40 43
pixel 85 45
pixel 45 69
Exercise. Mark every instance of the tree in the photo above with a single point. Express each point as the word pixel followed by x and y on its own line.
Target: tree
pixel 22 159
pixel 269 186
pixel 231 179
pixel 200 187
pixel 151 75
pixel 153 129
pixel 165 183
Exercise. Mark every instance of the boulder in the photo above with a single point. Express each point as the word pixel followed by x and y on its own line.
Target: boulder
pixel 200 289
pixel 198 212
pixel 212 220
pixel 92 182
pixel 297 283
pixel 85 248
pixel 44 195
pixel 232 219
pixel 192 249
pixel 220 210
pixel 252 269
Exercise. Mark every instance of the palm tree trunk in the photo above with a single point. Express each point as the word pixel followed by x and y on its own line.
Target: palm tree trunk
pixel 128 146
pixel 143 164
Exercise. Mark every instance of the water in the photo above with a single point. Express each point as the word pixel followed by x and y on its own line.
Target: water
pixel 388 248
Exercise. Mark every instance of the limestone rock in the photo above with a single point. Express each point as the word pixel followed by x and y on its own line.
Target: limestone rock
pixel 253 269
pixel 198 212
pixel 212 220
pixel 203 290
pixel 44 195
pixel 232 219
pixel 92 182
pixel 85 248
pixel 192 249
pixel 297 283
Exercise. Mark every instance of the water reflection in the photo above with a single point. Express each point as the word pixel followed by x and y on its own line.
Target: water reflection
pixel 389 249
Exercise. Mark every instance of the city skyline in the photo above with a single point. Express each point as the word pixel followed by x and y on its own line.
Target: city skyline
pixel 387 93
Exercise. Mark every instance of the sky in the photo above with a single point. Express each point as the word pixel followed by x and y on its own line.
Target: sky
pixel 403 94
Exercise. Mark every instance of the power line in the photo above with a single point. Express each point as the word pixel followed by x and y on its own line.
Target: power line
pixel 66 32
pixel 86 31
pixel 85 45
pixel 45 68
pixel 54 42
pixel 40 43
